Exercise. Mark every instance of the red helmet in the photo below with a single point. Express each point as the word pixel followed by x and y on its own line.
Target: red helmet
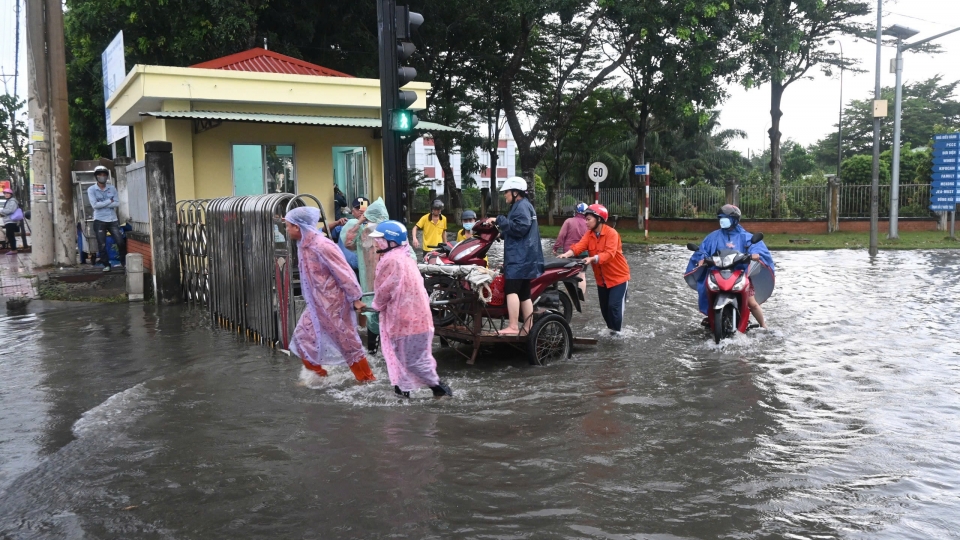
pixel 598 210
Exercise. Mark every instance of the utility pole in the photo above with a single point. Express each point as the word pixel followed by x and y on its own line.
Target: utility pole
pixel 54 236
pixel 875 183
pixel 901 33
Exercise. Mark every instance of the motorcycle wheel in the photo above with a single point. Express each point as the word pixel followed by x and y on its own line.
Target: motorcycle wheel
pixel 441 288
pixel 723 323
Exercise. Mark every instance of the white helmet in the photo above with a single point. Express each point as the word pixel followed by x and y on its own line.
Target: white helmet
pixel 514 182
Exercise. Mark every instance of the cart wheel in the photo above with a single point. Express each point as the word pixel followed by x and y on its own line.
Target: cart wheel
pixel 441 288
pixel 550 340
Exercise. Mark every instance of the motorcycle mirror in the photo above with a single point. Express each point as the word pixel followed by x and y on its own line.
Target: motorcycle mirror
pixel 692 247
pixel 757 237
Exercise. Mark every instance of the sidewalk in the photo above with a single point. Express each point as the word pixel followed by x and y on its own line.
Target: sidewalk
pixel 17 277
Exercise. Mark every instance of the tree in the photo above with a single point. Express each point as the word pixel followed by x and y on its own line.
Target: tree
pixel 675 69
pixel 925 104
pixel 784 39
pixel 13 141
pixel 569 33
pixel 858 170
pixel 186 32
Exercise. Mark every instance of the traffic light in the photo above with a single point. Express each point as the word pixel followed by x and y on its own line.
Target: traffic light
pixel 407 23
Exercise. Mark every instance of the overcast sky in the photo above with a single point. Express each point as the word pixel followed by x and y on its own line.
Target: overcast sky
pixel 811 107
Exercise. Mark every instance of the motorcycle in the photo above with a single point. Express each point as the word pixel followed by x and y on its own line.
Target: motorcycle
pixel 728 288
pixel 544 290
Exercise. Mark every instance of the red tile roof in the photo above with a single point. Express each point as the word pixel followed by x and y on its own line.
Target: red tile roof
pixel 264 61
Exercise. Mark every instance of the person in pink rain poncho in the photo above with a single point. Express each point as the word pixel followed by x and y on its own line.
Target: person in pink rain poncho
pixel 326 333
pixel 406 324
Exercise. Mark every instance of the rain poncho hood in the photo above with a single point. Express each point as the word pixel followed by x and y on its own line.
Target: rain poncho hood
pixel 326 333
pixel 359 240
pixel 736 237
pixel 406 324
pixel 522 252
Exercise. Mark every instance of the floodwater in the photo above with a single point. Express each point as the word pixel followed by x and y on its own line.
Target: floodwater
pixel 842 421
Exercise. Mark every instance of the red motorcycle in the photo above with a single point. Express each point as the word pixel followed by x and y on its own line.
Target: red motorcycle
pixel 728 288
pixel 544 290
pixel 471 251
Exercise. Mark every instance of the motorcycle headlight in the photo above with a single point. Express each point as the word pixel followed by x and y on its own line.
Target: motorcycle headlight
pixel 712 283
pixel 740 284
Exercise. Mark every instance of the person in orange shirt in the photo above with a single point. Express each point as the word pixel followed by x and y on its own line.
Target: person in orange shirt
pixel 610 268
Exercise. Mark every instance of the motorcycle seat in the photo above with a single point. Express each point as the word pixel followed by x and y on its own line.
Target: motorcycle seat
pixel 556 263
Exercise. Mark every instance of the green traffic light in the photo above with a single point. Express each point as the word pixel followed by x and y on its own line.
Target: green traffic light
pixel 403 120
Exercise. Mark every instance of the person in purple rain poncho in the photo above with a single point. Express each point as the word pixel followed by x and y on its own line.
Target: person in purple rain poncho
pixel 326 333
pixel 406 324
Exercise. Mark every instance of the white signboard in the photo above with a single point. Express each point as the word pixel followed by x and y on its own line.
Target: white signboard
pixel 597 172
pixel 114 70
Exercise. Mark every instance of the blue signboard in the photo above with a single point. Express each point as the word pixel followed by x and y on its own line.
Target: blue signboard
pixel 944 160
pixel 640 170
pixel 945 145
pixel 944 194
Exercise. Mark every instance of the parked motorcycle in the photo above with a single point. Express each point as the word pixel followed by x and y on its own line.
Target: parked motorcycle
pixel 728 287
pixel 544 291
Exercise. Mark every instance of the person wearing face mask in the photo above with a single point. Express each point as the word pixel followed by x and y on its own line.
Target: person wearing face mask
pixel 731 235
pixel 406 324
pixel 326 332
pixel 468 219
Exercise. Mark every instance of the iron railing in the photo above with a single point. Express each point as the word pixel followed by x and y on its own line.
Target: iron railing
pixel 236 259
pixel 703 200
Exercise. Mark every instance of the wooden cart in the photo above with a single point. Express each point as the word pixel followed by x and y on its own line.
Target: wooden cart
pixel 550 337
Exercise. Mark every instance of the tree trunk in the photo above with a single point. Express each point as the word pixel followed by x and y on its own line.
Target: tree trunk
pixel 776 95
pixel 494 192
pixel 451 193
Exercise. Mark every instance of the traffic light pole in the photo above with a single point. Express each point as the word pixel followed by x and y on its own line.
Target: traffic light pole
pixel 392 160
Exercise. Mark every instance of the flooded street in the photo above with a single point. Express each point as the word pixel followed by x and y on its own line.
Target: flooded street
pixel 842 421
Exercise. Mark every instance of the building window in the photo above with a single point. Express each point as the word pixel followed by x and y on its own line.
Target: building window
pixel 429 159
pixel 501 158
pixel 259 169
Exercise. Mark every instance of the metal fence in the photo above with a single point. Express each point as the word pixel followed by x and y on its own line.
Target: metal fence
pixel 236 258
pixel 137 197
pixel 702 201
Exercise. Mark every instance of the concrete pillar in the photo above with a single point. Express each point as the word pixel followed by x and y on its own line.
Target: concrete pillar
pixel 732 192
pixel 120 171
pixel 134 277
pixel 162 197
pixel 833 205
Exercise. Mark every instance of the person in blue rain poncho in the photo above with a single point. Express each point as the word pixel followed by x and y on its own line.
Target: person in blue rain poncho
pixel 731 235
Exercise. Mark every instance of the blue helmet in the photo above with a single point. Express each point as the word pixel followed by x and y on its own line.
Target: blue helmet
pixel 580 208
pixel 391 231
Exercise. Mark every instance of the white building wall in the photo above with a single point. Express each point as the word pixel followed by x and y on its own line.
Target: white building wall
pixel 423 157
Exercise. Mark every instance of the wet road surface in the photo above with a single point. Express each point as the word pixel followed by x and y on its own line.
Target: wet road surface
pixel 839 422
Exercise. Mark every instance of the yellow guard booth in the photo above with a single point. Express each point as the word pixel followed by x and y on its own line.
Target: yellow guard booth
pixel 261 122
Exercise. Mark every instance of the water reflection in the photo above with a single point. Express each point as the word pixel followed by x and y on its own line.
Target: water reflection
pixel 839 421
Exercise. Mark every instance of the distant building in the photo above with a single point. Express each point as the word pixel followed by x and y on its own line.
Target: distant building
pixel 423 157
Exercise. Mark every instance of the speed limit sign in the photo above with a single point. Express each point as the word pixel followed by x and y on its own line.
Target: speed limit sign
pixel 597 172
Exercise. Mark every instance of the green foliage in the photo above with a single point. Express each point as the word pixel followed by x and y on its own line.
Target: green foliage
pixel 13 143
pixel 928 107
pixel 858 170
pixel 660 176
pixel 915 165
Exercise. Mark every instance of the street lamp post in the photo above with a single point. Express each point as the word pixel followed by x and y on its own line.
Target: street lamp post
pixel 840 122
pixel 901 33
